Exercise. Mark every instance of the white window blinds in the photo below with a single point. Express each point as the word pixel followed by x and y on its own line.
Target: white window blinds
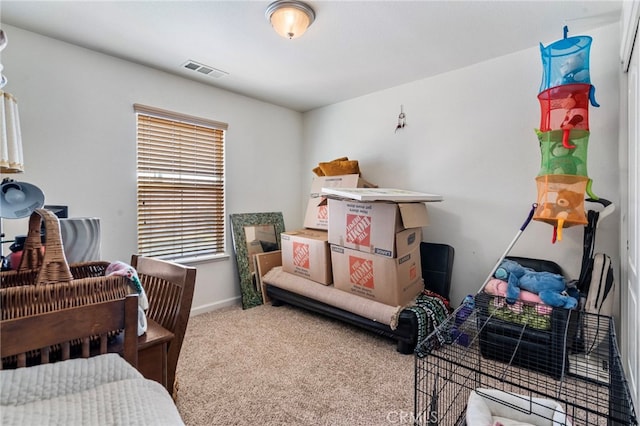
pixel 180 169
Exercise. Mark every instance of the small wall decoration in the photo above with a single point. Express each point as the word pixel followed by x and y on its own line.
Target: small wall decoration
pixel 402 119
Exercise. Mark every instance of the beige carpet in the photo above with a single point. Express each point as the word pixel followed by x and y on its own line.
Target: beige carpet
pixel 286 366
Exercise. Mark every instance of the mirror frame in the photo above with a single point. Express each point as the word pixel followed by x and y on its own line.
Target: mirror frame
pixel 250 295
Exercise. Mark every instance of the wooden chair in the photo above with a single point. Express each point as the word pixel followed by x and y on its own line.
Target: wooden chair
pixel 169 287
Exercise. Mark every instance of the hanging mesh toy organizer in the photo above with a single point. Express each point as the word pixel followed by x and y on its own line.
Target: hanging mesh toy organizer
pixel 565 95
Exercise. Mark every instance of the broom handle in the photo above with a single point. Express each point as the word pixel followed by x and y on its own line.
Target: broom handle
pixel 513 242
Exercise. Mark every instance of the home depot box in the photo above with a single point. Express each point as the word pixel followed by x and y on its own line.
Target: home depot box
pixel 386 280
pixel 379 227
pixel 316 216
pixel 305 252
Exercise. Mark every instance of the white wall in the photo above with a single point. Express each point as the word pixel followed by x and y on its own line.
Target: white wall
pixel 470 137
pixel 78 128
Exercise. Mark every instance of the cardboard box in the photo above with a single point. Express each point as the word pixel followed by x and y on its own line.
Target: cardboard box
pixel 382 228
pixel 305 252
pixel 316 216
pixel 342 181
pixel 263 263
pixel 390 281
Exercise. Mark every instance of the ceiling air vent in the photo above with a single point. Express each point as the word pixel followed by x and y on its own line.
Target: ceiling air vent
pixel 204 69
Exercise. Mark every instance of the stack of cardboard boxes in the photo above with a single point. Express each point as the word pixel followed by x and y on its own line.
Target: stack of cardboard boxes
pixel 370 249
pixel 375 249
pixel 305 252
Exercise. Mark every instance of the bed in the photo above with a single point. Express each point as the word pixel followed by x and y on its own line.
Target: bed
pixel 496 407
pixel 407 326
pixel 97 388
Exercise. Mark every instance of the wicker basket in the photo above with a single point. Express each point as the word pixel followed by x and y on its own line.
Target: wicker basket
pixel 45 283
pixel 33 257
pixel 96 268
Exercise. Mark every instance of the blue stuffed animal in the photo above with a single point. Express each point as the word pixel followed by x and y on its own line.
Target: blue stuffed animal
pixel 549 286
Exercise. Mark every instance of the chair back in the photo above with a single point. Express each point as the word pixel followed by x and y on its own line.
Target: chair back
pixel 169 287
pixel 437 266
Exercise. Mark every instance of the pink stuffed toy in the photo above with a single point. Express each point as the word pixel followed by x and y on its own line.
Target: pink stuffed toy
pixel 498 287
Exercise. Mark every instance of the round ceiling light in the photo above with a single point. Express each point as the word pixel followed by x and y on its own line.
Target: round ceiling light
pixel 290 18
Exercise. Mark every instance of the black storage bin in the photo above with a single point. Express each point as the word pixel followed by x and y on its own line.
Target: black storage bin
pixel 544 351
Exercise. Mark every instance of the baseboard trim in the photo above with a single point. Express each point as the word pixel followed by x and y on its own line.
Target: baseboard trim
pixel 210 307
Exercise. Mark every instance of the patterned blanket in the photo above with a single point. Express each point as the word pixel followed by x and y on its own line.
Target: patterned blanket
pixel 431 310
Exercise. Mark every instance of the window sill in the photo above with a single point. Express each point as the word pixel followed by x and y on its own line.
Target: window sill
pixel 200 259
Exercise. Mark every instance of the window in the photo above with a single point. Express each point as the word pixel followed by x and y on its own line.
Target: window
pixel 180 174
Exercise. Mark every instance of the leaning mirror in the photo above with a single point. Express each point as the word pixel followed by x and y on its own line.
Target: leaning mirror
pixel 253 233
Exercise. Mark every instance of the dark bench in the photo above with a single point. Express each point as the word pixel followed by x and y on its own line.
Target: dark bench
pixel 437 264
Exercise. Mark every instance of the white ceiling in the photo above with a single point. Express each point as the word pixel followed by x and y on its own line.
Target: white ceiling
pixel 352 49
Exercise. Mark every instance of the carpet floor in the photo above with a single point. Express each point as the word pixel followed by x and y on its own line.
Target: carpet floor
pixel 286 366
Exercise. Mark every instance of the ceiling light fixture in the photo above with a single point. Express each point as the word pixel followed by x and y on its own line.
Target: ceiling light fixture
pixel 290 18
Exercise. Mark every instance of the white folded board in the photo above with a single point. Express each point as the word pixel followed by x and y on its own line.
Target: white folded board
pixel 80 238
pixel 380 194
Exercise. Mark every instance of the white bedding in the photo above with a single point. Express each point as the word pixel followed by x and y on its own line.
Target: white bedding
pixel 103 390
pixel 490 407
